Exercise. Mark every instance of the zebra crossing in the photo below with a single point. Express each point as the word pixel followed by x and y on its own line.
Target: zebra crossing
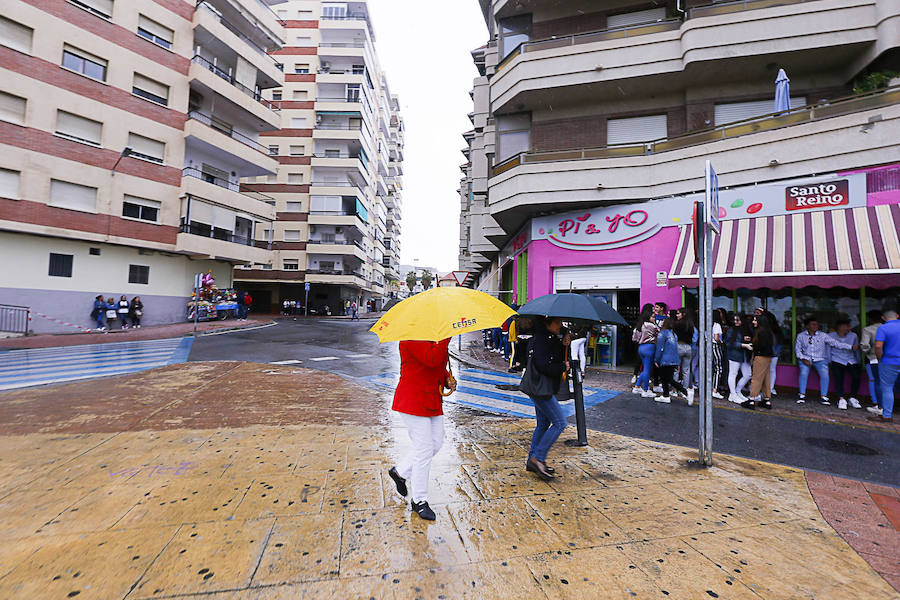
pixel 478 389
pixel 40 366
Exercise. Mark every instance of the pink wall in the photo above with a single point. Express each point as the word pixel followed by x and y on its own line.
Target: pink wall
pixel 654 254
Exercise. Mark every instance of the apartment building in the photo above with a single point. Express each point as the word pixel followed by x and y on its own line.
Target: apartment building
pixel 592 123
pixel 126 127
pixel 339 148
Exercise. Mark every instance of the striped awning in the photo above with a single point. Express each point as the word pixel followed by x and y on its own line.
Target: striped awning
pixel 820 248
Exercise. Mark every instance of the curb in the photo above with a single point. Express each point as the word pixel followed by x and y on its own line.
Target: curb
pixel 471 363
pixel 231 329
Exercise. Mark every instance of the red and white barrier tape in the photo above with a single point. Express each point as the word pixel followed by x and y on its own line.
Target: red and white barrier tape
pixel 49 318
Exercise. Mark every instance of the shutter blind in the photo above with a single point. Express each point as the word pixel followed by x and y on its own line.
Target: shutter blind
pixel 147 148
pixel 64 194
pixel 201 212
pixel 154 87
pixel 9 184
pixel 15 35
pixel 102 7
pixel 291 235
pixel 143 201
pixel 600 277
pixel 79 128
pixel 156 29
pixel 636 129
pixel 12 108
pixel 635 18
pixel 738 111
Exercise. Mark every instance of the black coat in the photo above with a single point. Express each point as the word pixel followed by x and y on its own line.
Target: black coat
pixel 549 355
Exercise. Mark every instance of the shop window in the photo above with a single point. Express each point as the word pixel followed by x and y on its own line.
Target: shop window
pixel 827 306
pixel 883 300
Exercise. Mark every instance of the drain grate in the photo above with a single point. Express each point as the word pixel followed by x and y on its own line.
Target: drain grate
pixel 842 446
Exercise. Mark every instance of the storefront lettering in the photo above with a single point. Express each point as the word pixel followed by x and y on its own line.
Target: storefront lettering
pixel 635 218
pixel 829 193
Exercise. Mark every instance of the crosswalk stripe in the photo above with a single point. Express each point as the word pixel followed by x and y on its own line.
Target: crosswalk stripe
pixel 321 358
pixel 285 362
pixel 53 363
pixel 101 350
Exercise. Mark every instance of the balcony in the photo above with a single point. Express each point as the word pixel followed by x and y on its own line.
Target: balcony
pixel 197 241
pixel 219 81
pixel 337 277
pixel 227 193
pixel 831 34
pixel 337 247
pixel 865 128
pixel 218 136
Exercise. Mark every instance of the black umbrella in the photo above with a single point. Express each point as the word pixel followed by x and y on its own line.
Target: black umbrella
pixel 575 307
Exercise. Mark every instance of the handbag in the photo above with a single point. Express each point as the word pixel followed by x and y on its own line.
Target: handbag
pixel 564 394
pixel 534 384
pixel 138 313
pixel 111 314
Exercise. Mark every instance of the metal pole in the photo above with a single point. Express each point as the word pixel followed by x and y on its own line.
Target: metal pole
pixel 707 343
pixel 580 423
pixel 196 308
pixel 306 304
pixel 705 395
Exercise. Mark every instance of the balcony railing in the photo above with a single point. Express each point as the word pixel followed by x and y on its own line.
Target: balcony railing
pixel 333 184
pixel 222 128
pixel 199 60
pixel 349 98
pixel 346 17
pixel 794 116
pixel 721 8
pixel 337 155
pixel 356 243
pixel 334 272
pixel 342 45
pixel 350 71
pixel 224 183
pixel 346 126
pixel 216 234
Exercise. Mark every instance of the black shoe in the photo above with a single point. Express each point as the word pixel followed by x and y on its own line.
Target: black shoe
pixel 539 469
pixel 399 482
pixel 749 404
pixel 533 469
pixel 766 404
pixel 423 510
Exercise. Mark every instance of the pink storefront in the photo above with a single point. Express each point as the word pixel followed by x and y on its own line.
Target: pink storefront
pixel 825 246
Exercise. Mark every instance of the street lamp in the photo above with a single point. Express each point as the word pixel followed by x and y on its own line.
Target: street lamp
pixel 126 151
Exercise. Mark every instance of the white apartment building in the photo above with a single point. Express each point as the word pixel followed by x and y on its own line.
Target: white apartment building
pixel 592 123
pixel 126 127
pixel 339 149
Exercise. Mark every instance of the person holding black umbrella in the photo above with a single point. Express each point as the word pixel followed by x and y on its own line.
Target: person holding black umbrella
pixel 548 361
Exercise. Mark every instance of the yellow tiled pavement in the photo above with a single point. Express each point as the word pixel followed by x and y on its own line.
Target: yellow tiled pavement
pixel 306 511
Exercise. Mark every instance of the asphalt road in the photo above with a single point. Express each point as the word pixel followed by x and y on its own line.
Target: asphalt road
pixel 348 348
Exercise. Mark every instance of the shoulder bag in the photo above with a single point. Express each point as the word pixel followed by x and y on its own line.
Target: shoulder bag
pixel 534 384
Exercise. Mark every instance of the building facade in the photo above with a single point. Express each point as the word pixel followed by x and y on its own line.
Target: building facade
pixel 126 127
pixel 592 124
pixel 339 149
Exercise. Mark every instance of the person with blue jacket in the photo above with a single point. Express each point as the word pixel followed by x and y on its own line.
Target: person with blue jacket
pixel 667 360
pixel 99 312
pixel 738 357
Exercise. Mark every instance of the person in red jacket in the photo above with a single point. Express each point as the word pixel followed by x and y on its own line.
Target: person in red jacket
pixel 423 372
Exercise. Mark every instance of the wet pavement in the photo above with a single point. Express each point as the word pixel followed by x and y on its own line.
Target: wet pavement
pixel 246 481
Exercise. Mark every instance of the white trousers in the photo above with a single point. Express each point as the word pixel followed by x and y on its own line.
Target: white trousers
pixel 746 372
pixel 772 373
pixel 577 348
pixel 426 435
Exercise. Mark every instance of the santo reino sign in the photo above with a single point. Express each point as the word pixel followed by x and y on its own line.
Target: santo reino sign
pixel 617 226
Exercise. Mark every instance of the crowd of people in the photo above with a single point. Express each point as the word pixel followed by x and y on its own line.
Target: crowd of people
pixel 109 311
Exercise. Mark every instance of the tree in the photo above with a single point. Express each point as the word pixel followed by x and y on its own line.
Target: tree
pixel 427 278
pixel 411 280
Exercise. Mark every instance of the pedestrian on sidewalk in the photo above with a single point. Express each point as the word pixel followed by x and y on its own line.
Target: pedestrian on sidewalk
pixel 354 312
pixel 738 358
pixel 778 333
pixel 136 311
pixel 112 311
pixel 649 331
pixel 122 307
pixel 762 348
pixel 845 363
pixel 423 372
pixel 246 305
pixel 867 345
pixel 887 350
pixel 667 358
pixel 684 331
pixel 548 359
pixel 718 352
pixel 812 350
pixel 99 311
pixel 635 339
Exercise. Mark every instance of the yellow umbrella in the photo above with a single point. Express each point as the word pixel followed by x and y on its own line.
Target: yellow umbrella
pixel 441 313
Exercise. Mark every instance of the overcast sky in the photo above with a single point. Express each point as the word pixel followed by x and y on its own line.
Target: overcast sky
pixel 425 51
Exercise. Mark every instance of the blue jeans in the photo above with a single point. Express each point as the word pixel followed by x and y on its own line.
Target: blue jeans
pixel 100 320
pixel 504 337
pixel 874 384
pixel 647 353
pixel 888 375
pixel 821 367
pixel 550 424
pixel 495 338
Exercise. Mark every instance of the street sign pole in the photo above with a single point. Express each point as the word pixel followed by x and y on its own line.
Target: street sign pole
pixel 707 224
pixel 198 283
pixel 306 301
pixel 578 392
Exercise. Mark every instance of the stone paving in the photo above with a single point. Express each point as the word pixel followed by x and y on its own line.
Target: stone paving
pixel 232 481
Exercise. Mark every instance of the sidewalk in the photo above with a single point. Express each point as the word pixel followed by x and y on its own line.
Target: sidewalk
pixel 157 332
pixel 783 403
pixel 159 485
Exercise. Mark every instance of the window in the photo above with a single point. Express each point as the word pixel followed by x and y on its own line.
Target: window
pixel 146 149
pixel 139 274
pixel 101 8
pixel 271 178
pixel 635 18
pixel 295 177
pixel 300 94
pixel 156 33
pixel 73 196
pixel 298 150
pixel 288 207
pixel 77 128
pixel 9 184
pixel 513 31
pixel 332 153
pixel 60 265
pixel 738 111
pixel 303 41
pixel 151 90
pixel 358 69
pixel 140 208
pixel 15 35
pixel 12 108
pixel 513 135
pixel 290 264
pixel 636 129
pixel 276 94
pixel 334 11
pixel 298 122
pixel 273 150
pixel 301 69
pixel 353 91
pixel 83 62
pixel 292 235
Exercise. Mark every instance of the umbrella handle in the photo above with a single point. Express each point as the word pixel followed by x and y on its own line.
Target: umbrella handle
pixel 447 386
